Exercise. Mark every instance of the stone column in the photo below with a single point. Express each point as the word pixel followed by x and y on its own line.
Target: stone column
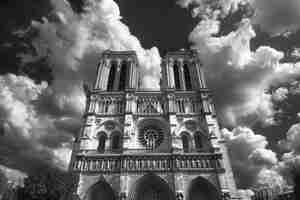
pixel 100 76
pixel 170 71
pixel 104 76
pixel 128 74
pixel 181 75
pixel 100 67
pixel 135 75
pixel 200 75
pixel 179 186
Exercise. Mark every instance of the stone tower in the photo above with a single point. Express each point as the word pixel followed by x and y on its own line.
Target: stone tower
pixel 138 144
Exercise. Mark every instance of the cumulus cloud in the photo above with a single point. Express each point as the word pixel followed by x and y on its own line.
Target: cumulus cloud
pixel 252 162
pixel 39 121
pixel 24 130
pixel 273 16
pixel 74 43
pixel 14 177
pixel 280 94
pixel 239 76
pixel 212 9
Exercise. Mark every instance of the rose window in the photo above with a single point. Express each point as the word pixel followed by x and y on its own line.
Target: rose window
pixel 151 137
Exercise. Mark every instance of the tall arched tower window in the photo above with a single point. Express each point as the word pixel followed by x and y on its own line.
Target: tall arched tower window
pixel 101 142
pixel 187 77
pixel 111 76
pixel 116 141
pixel 176 76
pixel 123 75
pixel 185 142
pixel 198 140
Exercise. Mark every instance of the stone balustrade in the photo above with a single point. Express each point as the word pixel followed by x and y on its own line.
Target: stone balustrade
pixel 148 103
pixel 146 163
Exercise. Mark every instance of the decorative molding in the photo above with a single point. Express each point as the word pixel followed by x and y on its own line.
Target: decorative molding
pixel 148 163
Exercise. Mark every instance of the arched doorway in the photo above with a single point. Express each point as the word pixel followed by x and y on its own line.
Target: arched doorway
pixel 151 187
pixel 202 189
pixel 100 190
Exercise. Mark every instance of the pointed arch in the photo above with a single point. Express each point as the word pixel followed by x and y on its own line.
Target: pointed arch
pixel 151 187
pixel 187 77
pixel 176 75
pixel 186 141
pixel 101 141
pixel 116 141
pixel 101 190
pixel 200 188
pixel 198 138
pixel 123 75
pixel 111 76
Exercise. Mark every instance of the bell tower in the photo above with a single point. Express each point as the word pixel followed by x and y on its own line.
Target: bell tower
pixel 194 126
pixel 138 144
pixel 117 71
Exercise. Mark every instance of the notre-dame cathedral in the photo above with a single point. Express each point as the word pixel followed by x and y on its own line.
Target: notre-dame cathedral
pixel 138 144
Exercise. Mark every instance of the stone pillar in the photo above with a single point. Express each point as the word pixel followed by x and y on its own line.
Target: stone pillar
pixel 101 74
pixel 100 67
pixel 226 179
pixel 133 75
pixel 181 75
pixel 117 76
pixel 200 75
pixel 170 70
pixel 128 74
pixel 179 186
pixel 104 76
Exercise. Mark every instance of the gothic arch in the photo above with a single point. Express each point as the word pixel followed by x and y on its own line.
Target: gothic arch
pixel 102 137
pixel 116 140
pixel 186 141
pixel 199 140
pixel 101 190
pixel 176 75
pixel 190 125
pixel 151 187
pixel 109 126
pixel 187 77
pixel 111 76
pixel 123 75
pixel 201 188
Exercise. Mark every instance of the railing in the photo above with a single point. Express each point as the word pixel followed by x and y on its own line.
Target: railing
pixel 140 163
pixel 186 103
pixel 107 103
pixel 150 103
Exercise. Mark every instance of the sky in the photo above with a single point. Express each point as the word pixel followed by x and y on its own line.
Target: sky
pixel 249 49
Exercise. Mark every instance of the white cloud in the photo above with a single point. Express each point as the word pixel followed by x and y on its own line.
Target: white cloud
pixel 40 120
pixel 239 76
pixel 280 94
pixel 14 177
pixel 274 16
pixel 252 162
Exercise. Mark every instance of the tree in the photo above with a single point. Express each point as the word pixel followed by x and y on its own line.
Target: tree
pixel 49 185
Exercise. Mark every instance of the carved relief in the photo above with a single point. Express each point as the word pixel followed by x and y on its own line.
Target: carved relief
pixel 148 163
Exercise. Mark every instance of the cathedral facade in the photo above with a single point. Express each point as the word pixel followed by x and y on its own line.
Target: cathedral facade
pixel 138 144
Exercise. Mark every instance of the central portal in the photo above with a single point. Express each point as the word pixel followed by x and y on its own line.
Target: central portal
pixel 151 187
